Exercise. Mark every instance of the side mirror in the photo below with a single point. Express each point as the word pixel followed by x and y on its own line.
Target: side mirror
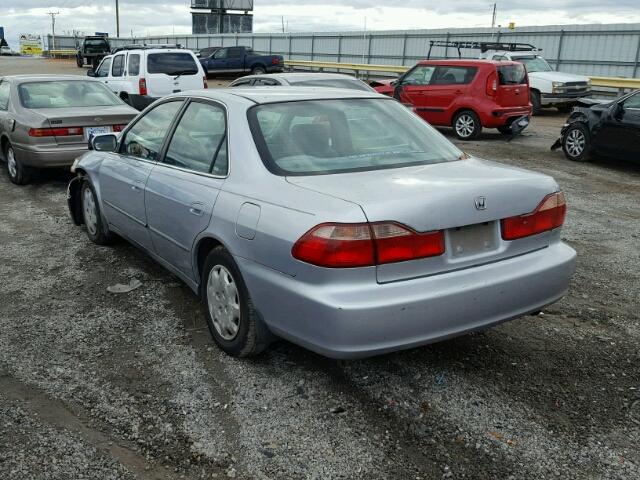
pixel 91 72
pixel 106 142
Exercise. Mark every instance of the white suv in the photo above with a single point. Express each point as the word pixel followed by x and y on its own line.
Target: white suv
pixel 548 87
pixel 141 74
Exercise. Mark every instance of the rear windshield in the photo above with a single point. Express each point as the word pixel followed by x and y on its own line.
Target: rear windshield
pixel 335 83
pixel 512 74
pixel 172 63
pixel 64 94
pixel 319 137
pixel 534 64
pixel 95 42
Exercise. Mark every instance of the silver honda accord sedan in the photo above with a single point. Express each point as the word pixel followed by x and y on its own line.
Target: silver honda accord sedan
pixel 335 219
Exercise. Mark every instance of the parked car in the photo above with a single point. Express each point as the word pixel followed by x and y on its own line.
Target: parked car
pixel 139 75
pixel 45 121
pixel 92 50
pixel 5 51
pixel 299 79
pixel 235 60
pixel 465 94
pixel 549 88
pixel 335 219
pixel 603 128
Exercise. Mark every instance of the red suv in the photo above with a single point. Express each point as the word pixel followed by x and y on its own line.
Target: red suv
pixel 465 94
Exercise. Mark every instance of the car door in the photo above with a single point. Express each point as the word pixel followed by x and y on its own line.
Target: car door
pixel 219 61
pixel 235 59
pixel 118 68
pixel 447 87
pixel 183 187
pixel 124 174
pixel 103 72
pixel 619 133
pixel 412 88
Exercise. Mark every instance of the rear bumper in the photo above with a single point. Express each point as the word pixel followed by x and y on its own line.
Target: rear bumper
pixel 499 117
pixel 275 68
pixel 369 318
pixel 562 98
pixel 62 156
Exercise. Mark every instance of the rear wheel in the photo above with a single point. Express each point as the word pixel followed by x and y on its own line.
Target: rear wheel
pixel 466 125
pixel 18 173
pixel 258 70
pixel 232 320
pixel 576 143
pixel 80 62
pixel 536 102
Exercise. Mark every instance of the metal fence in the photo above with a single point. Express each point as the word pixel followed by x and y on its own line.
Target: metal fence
pixel 600 50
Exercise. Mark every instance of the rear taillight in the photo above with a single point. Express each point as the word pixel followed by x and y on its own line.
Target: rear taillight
pixel 549 214
pixel 142 86
pixel 55 132
pixel 492 84
pixel 342 245
pixel 118 128
pixel 275 61
pixel 204 81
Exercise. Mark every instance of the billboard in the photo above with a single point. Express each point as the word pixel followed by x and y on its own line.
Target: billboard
pixel 30 44
pixel 1 32
pixel 223 4
pixel 212 23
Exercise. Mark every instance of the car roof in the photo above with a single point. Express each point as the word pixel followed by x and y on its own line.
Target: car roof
pixel 262 95
pixel 298 76
pixel 466 62
pixel 46 78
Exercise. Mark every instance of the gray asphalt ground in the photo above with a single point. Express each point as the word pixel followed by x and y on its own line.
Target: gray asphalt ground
pixel 95 385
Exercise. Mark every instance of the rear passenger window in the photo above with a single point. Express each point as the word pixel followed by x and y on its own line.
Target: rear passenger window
pixel 199 142
pixel 146 137
pixel 134 64
pixel 235 52
pixel 453 75
pixel 118 66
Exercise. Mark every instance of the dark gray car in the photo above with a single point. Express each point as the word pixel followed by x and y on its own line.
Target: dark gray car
pixel 45 121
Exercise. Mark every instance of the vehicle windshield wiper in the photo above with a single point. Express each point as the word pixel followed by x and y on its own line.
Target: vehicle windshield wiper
pixel 183 72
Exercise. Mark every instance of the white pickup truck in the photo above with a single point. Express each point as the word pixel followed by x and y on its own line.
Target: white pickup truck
pixel 548 88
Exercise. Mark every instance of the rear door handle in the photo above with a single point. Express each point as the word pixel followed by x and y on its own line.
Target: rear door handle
pixel 196 209
pixel 137 186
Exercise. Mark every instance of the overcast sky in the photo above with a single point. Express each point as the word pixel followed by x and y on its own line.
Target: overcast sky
pixel 163 17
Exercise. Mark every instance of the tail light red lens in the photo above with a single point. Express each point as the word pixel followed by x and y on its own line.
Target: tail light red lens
pixel 55 132
pixel 204 81
pixel 142 86
pixel 340 245
pixel 549 214
pixel 118 128
pixel 275 61
pixel 492 84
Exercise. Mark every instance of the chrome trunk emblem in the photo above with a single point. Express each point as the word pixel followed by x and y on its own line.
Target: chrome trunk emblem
pixel 481 203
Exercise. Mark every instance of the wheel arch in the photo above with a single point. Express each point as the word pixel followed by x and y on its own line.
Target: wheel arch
pixel 204 246
pixel 464 109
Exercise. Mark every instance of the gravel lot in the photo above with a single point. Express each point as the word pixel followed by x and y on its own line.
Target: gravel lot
pixel 95 385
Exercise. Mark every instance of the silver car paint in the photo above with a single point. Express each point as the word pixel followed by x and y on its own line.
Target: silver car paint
pixel 342 313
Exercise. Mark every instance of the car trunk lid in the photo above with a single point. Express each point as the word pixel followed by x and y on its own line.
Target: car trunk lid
pixel 466 199
pixel 512 86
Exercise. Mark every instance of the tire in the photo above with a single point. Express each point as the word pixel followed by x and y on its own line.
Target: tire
pixel 535 102
pixel 466 125
pixel 80 62
pixel 19 174
pixel 576 142
pixel 96 230
pixel 258 70
pixel 233 322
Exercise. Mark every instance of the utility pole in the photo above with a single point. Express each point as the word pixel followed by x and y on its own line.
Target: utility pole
pixel 53 28
pixel 282 24
pixel 117 19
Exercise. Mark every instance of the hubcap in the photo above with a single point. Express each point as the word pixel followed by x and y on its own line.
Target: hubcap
pixel 89 210
pixel 465 126
pixel 224 302
pixel 11 163
pixel 575 143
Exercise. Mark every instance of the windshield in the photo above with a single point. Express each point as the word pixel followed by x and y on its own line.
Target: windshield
pixel 63 94
pixel 335 83
pixel 172 63
pixel 319 137
pixel 534 64
pixel 96 42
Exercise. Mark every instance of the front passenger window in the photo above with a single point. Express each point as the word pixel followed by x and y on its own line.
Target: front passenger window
pixel 421 75
pixel 103 69
pixel 632 102
pixel 199 142
pixel 146 137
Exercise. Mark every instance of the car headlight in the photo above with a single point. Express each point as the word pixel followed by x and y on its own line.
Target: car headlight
pixel 557 86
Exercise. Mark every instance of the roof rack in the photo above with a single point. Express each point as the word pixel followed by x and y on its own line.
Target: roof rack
pixel 483 46
pixel 145 46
